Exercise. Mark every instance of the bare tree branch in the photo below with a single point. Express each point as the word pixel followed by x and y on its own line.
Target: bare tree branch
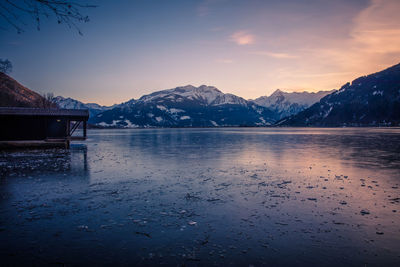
pixel 65 12
pixel 46 101
pixel 5 66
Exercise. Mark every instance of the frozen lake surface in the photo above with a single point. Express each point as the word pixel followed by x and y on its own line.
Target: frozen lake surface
pixel 232 196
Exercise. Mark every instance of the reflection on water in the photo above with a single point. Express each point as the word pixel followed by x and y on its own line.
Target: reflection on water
pixel 36 162
pixel 206 196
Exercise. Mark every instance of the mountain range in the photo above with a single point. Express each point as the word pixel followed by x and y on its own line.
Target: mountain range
pixel 186 106
pixel 70 103
pixel 372 100
pixel 286 104
pixel 368 101
pixel 190 106
pixel 204 106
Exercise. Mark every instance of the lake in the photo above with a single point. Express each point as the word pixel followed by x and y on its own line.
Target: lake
pixel 200 197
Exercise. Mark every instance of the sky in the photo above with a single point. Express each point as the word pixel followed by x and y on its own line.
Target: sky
pixel 249 48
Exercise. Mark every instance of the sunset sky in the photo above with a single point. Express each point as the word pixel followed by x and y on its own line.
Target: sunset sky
pixel 248 48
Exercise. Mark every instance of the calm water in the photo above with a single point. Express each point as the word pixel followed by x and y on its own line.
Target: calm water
pixel 205 197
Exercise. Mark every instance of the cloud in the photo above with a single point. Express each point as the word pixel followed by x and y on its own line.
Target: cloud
pixel 377 28
pixel 273 54
pixel 317 75
pixel 374 38
pixel 242 38
pixel 371 43
pixel 224 60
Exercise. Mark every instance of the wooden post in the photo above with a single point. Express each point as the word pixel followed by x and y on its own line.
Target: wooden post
pixel 67 144
pixel 84 129
pixel 68 128
pixel 67 139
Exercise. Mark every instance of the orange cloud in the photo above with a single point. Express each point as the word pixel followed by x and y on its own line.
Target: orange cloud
pixel 372 43
pixel 242 38
pixel 374 38
pixel 377 28
pixel 274 55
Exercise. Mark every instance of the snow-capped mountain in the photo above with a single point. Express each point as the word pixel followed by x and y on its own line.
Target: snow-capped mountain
pixel 286 104
pixel 368 101
pixel 204 95
pixel 70 103
pixel 186 106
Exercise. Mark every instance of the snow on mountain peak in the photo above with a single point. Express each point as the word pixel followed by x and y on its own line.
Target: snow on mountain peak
pixel 70 103
pixel 229 99
pixel 290 103
pixel 204 93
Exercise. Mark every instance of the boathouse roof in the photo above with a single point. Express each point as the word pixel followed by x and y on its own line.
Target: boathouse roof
pixel 72 113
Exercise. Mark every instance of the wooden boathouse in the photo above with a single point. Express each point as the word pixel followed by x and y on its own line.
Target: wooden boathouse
pixel 36 127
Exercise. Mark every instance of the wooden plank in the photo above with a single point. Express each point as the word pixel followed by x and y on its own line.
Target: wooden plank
pixel 72 113
pixel 77 138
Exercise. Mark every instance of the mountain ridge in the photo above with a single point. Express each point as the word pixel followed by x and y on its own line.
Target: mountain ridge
pixel 70 103
pixel 371 100
pixel 186 106
pixel 286 104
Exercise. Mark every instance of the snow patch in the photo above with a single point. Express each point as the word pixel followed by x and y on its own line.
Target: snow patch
pixel 214 123
pixel 104 124
pixel 328 112
pixel 161 108
pixel 129 124
pixel 229 99
pixel 378 93
pixel 175 110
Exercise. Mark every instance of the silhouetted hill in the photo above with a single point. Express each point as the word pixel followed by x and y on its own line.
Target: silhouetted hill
pixel 13 94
